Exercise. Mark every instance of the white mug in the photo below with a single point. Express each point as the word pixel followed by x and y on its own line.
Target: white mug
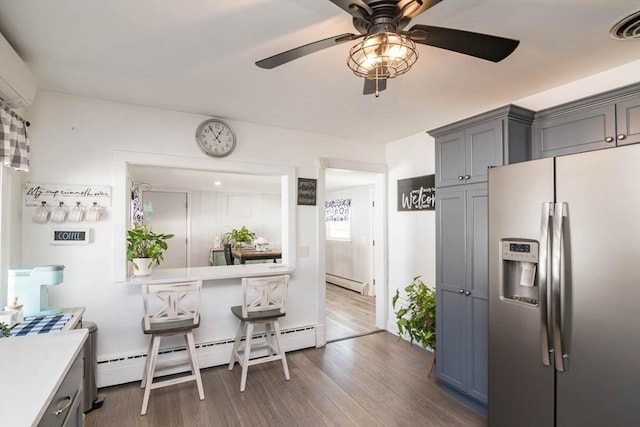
pixel 94 213
pixel 59 214
pixel 42 214
pixel 76 214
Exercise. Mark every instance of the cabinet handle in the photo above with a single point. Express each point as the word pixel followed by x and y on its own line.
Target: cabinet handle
pixel 608 139
pixel 467 293
pixel 622 136
pixel 467 176
pixel 65 407
pixel 460 178
pixel 461 291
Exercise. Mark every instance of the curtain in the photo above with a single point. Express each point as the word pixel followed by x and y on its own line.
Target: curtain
pixel 337 210
pixel 14 139
pixel 137 210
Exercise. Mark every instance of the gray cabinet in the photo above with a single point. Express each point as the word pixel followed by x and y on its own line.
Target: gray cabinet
pixel 464 152
pixel 466 149
pixel 462 289
pixel 602 121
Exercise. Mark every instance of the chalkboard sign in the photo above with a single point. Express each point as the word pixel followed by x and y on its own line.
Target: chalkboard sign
pixel 417 194
pixel 70 237
pixel 307 191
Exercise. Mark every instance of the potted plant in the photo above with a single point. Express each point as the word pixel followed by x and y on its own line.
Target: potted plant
pixel 145 249
pixel 239 237
pixel 416 317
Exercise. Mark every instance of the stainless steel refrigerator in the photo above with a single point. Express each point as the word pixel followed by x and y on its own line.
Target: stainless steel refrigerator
pixel 564 291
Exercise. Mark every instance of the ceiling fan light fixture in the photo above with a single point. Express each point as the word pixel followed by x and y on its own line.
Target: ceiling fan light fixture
pixel 382 56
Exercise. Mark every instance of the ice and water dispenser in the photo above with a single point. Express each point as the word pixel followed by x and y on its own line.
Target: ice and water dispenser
pixel 518 276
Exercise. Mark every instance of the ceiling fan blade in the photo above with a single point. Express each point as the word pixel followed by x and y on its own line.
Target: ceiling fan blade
pixel 370 86
pixel 483 46
pixel 356 8
pixel 299 52
pixel 413 8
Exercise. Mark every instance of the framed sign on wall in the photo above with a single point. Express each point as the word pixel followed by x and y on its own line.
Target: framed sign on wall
pixel 417 194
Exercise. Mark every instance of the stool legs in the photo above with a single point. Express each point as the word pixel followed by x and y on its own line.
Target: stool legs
pixel 273 344
pixel 276 326
pixel 150 369
pixel 193 359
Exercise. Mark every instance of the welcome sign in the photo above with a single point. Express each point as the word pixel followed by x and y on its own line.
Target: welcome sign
pixel 417 194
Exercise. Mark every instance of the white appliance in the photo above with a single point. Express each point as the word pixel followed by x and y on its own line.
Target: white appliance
pixel 30 285
pixel 564 291
pixel 17 85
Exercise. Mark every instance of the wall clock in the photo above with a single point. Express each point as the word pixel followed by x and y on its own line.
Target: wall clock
pixel 215 138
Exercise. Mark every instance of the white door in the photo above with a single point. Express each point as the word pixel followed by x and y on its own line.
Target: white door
pixel 168 215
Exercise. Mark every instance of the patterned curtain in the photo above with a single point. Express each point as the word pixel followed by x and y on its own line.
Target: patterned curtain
pixel 137 211
pixel 337 210
pixel 14 139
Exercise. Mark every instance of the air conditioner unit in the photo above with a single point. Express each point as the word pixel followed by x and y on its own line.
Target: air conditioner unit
pixel 17 85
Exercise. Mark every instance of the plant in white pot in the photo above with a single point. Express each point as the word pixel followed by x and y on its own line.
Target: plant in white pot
pixel 145 249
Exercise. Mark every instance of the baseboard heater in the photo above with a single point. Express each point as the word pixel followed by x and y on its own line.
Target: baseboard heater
pixel 346 283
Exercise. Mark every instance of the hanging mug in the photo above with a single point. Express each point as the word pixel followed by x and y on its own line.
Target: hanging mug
pixel 94 213
pixel 60 213
pixel 77 213
pixel 42 213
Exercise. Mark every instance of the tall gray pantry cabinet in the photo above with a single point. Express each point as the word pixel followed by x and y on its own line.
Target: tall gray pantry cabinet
pixel 464 152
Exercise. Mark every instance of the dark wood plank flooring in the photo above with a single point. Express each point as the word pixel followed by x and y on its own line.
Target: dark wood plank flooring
pixel 348 313
pixel 371 380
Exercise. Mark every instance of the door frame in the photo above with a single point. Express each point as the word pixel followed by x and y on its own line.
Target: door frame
pixel 380 250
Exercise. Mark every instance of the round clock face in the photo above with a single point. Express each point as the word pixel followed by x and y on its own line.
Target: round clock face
pixel 215 138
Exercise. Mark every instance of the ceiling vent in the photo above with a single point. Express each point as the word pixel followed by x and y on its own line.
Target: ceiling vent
pixel 627 28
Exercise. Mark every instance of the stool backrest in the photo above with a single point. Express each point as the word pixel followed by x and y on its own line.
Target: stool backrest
pixel 171 302
pixel 264 293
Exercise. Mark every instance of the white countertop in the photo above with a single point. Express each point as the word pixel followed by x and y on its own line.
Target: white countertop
pixel 32 368
pixel 219 272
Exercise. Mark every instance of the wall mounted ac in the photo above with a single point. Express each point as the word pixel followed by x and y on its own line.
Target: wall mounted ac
pixel 17 85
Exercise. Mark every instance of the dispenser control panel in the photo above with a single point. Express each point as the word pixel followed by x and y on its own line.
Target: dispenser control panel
pixel 520 250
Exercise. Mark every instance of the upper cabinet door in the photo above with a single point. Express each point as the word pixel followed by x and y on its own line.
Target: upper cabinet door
pixel 628 121
pixel 483 143
pixel 584 130
pixel 450 159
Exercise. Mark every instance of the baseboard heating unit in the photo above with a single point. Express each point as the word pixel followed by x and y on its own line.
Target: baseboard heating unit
pixel 347 283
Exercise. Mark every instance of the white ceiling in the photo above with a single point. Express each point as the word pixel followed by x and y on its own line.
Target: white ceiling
pixel 198 56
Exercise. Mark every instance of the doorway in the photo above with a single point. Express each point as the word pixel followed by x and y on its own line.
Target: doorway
pixel 354 296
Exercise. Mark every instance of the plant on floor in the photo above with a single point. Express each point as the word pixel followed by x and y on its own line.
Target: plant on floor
pixel 236 237
pixel 416 316
pixel 144 243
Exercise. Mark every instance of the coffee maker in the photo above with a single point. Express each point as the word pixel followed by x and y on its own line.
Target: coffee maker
pixel 30 285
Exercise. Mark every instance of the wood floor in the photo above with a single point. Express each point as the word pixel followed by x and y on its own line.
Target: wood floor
pixel 348 314
pixel 371 380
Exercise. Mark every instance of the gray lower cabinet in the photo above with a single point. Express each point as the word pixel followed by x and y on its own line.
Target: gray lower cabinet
pixel 65 409
pixel 465 149
pixel 602 121
pixel 462 289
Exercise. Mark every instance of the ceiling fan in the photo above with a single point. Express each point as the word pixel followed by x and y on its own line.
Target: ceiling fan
pixel 386 49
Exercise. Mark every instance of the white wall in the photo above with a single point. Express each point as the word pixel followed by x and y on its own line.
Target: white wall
pixel 411 233
pixel 73 142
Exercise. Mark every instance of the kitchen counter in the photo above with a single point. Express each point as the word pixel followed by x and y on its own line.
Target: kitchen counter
pixel 32 369
pixel 172 275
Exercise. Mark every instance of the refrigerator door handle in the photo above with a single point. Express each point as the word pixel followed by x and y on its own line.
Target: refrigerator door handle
pixel 557 273
pixel 543 269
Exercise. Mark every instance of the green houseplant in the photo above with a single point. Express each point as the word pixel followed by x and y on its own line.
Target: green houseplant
pixel 416 317
pixel 145 249
pixel 238 237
